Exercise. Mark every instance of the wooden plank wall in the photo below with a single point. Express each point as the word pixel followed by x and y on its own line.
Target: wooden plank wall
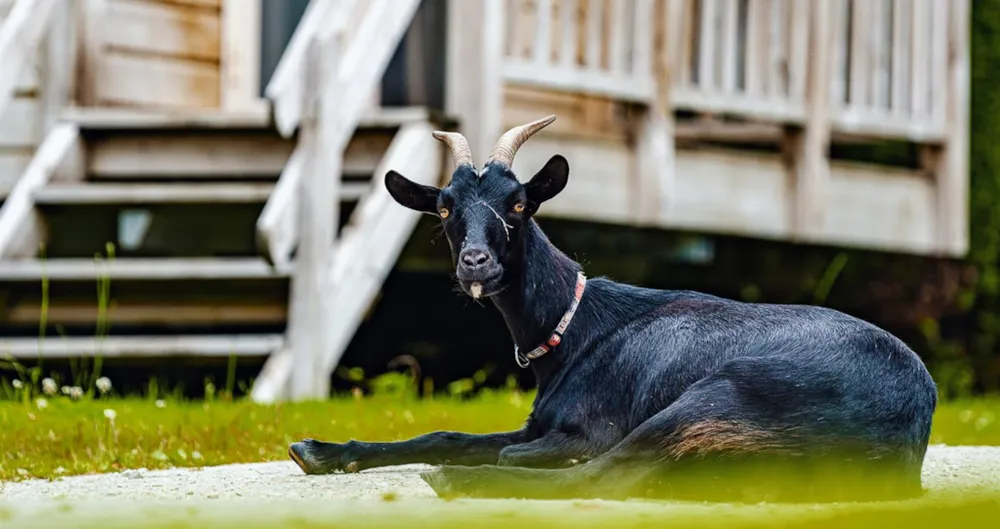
pixel 21 122
pixel 160 54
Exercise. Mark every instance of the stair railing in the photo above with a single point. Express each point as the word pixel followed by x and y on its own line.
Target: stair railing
pixel 333 63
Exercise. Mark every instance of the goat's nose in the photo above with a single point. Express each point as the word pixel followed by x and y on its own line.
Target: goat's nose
pixel 475 258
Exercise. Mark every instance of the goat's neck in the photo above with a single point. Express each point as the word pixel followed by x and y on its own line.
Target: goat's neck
pixel 538 292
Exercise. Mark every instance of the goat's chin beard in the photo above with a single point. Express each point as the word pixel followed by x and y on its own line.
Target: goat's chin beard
pixel 483 289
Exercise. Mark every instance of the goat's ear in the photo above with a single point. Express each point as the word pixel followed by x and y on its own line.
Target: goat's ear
pixel 547 182
pixel 411 194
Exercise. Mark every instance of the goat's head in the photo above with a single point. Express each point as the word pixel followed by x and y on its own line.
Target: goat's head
pixel 483 211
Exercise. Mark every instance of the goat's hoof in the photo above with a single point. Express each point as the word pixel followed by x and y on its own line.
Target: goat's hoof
pixel 316 457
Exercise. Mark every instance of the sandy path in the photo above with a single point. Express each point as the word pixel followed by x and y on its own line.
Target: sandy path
pixel 947 469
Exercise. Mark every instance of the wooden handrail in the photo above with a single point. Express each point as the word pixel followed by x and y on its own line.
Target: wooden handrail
pixel 361 39
pixel 21 34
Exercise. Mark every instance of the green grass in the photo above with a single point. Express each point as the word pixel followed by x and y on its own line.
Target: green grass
pixel 74 437
pixel 66 436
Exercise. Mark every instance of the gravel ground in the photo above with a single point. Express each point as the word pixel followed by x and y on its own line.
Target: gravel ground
pixel 947 469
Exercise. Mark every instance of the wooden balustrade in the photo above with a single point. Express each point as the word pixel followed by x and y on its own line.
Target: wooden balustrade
pixel 888 77
pixel 588 46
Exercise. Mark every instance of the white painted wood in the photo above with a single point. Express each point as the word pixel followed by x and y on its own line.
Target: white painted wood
pixel 142 346
pixel 309 309
pixel 707 36
pixel 272 384
pixel 476 70
pixel 779 110
pixel 641 41
pixel 730 53
pixel 618 45
pixel 277 227
pixel 812 169
pixel 21 34
pixel 939 43
pixel 21 123
pixel 568 24
pixel 59 68
pixel 880 66
pixel 285 89
pixel 20 228
pixel 778 50
pixel 543 32
pixel 159 82
pixel 798 50
pixel 365 58
pixel 172 154
pixel 174 193
pixel 595 14
pixel 139 26
pixel 839 89
pixel 900 56
pixel 138 269
pixel 756 45
pixel 638 88
pixel 240 55
pixel 377 231
pixel 953 181
pixel 920 57
pixel 860 31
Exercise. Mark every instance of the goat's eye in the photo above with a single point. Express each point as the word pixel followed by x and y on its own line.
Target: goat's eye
pixel 519 207
pixel 443 212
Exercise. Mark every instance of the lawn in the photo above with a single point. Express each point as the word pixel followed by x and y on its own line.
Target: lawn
pixel 60 436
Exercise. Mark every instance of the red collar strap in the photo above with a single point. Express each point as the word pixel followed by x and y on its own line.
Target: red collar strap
pixel 524 359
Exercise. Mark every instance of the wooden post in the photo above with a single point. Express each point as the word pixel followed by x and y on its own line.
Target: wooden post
pixel 240 56
pixel 475 79
pixel 809 146
pixel 953 168
pixel 60 58
pixel 655 150
pixel 91 17
pixel 309 314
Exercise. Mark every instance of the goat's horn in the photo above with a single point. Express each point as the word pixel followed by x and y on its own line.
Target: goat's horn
pixel 507 145
pixel 458 144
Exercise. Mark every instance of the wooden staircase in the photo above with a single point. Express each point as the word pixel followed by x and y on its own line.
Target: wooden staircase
pixel 179 200
pixel 213 234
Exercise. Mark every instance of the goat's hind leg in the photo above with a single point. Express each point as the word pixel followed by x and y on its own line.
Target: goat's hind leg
pixel 747 434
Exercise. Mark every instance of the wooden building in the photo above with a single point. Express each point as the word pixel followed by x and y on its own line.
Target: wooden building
pixel 231 151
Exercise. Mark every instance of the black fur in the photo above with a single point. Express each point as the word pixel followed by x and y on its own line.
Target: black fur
pixel 659 393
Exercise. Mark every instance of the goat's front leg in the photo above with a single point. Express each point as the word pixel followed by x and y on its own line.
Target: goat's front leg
pixel 318 457
pixel 552 450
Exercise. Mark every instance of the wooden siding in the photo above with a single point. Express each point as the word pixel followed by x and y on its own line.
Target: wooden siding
pixel 158 54
pixel 21 122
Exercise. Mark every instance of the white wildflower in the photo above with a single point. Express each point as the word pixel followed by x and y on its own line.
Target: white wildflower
pixel 41 403
pixel 110 414
pixel 75 392
pixel 160 403
pixel 103 384
pixel 17 384
pixel 65 390
pixel 49 387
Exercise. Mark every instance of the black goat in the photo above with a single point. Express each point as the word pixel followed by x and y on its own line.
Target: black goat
pixel 653 393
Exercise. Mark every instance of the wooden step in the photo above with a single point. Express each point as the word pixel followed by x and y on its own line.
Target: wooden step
pixel 15 270
pixel 143 346
pixel 174 193
pixel 96 118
